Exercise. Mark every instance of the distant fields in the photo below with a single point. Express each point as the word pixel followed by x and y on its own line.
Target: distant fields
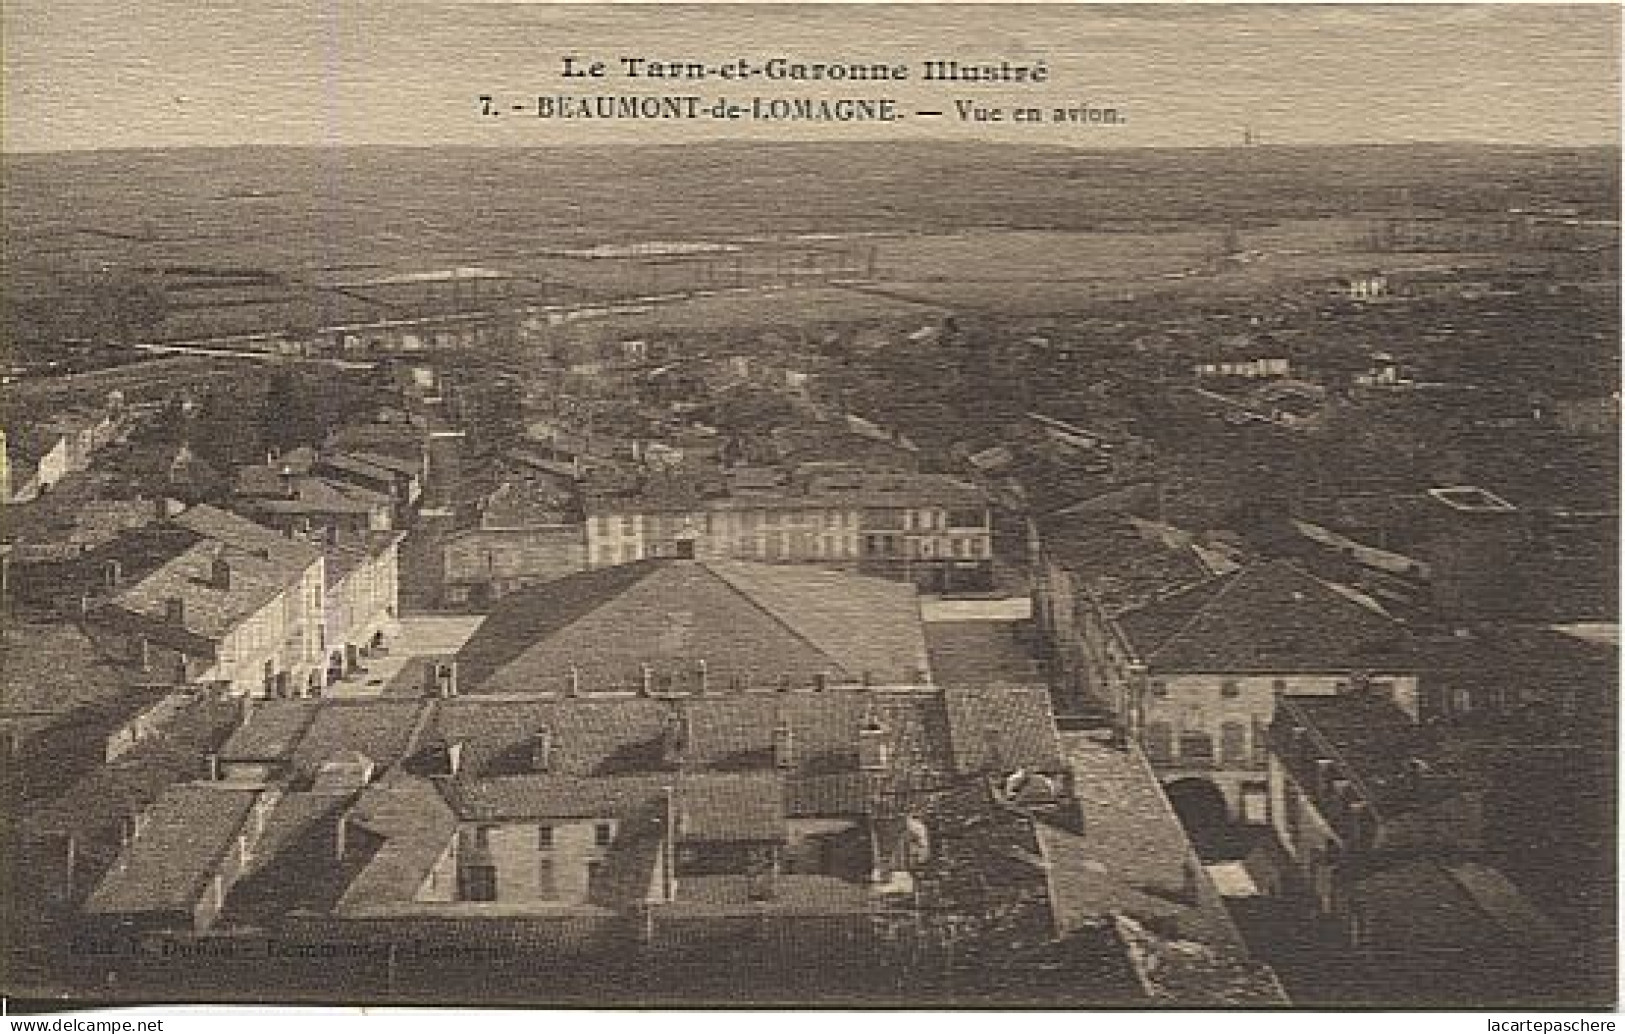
pixel 381 209
pixel 935 226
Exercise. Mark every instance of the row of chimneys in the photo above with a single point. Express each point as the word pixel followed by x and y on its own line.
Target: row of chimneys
pixel 441 680
pixel 874 751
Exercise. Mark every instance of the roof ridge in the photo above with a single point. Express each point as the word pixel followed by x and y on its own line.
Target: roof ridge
pixel 1230 582
pixel 773 615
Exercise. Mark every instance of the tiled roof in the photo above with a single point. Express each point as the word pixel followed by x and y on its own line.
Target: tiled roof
pixel 52 668
pixel 349 553
pixel 730 808
pixel 188 831
pixel 379 729
pixel 1131 857
pixel 521 797
pixel 1380 745
pixel 267 493
pixel 292 864
pixel 1428 904
pixel 1125 562
pixel 1270 617
pixel 272 730
pixel 750 624
pixel 94 805
pixel 792 894
pixel 828 795
pixel 618 735
pixel 999 729
pixel 262 564
pixel 589 737
pixel 415 827
pixel 867 625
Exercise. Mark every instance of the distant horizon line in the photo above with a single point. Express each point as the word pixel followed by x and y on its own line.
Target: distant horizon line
pixel 747 141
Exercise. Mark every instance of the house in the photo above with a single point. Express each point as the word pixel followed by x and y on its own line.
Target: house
pixel 85 431
pixel 210 598
pixel 1352 777
pixel 1092 567
pixel 928 528
pixel 185 852
pixel 360 599
pixel 36 460
pixel 668 626
pixel 482 565
pixel 399 479
pixel 1385 824
pixel 1193 674
pixel 279 497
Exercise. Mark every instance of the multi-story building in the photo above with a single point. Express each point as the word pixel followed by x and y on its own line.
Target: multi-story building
pixel 297 502
pixel 361 599
pixel 1194 675
pixel 929 528
pixel 213 598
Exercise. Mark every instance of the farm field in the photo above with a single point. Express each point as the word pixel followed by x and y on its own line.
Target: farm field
pixel 398 209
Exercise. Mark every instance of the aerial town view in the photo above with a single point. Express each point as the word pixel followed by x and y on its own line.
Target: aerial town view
pixel 830 572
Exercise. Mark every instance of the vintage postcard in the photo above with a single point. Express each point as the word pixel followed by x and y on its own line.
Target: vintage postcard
pixel 1065 506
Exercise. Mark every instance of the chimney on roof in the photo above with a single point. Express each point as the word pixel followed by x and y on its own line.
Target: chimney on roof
pixel 214 767
pixel 442 678
pixel 784 745
pixel 679 731
pixel 220 574
pixel 821 681
pixel 112 574
pixel 175 611
pixel 702 677
pixel 290 487
pixel 541 750
pixel 454 758
pixel 572 688
pixel 873 750
pixel 646 683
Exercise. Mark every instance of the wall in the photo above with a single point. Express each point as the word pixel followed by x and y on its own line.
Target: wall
pixel 1207 704
pixel 496 563
pixel 520 860
pixel 1309 840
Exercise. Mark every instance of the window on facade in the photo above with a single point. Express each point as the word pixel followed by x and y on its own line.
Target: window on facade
pixel 595 868
pixel 1196 748
pixel 479 883
pixel 482 837
pixel 1159 742
pixel 544 838
pixel 1230 689
pixel 1279 685
pixel 1233 743
pixel 547 881
pixel 629 525
pixel 1159 688
pixel 603 833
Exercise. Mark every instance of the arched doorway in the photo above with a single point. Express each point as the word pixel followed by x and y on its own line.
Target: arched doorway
pixel 1205 814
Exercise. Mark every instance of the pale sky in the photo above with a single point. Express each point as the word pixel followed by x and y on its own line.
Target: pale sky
pixel 158 73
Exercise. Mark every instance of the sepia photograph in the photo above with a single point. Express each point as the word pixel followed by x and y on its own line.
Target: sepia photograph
pixel 1080 507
